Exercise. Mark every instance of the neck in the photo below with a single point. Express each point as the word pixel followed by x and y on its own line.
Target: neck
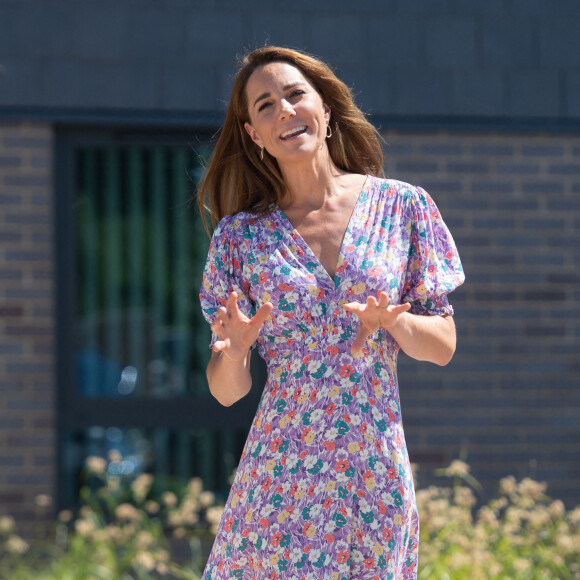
pixel 312 183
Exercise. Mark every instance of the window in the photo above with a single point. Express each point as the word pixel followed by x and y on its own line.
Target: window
pixel 133 345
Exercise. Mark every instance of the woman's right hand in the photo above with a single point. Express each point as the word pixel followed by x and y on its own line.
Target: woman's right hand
pixel 235 331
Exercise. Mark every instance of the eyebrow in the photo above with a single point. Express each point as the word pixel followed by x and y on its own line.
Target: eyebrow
pixel 284 88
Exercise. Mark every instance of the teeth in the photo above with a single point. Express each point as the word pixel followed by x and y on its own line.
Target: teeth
pixel 291 132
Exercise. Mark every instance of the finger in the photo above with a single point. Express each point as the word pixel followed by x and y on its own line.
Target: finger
pixel 220 345
pixel 232 302
pixel 383 299
pixel 359 341
pixel 221 314
pixel 371 301
pixel 354 307
pixel 262 314
pixel 400 308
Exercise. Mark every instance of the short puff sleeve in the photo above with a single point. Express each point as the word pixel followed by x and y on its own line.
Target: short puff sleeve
pixel 223 272
pixel 434 268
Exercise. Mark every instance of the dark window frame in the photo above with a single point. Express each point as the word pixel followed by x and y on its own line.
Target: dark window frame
pixel 78 412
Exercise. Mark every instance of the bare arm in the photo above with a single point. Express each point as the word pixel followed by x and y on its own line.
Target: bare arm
pixel 426 338
pixel 228 371
pixel 229 380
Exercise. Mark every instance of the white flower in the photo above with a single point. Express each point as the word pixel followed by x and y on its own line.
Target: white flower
pixel 315 510
pixel 316 415
pixel 267 510
pixel 355 420
pixel 314 555
pixel 331 434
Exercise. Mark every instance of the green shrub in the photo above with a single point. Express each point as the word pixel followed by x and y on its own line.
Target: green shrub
pixel 129 530
pixel 522 535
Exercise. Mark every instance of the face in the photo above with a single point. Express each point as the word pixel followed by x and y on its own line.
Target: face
pixel 287 114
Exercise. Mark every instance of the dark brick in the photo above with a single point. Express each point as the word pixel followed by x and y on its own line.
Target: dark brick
pixel 11 423
pixel 441 149
pixel 28 368
pixel 564 241
pixel 494 296
pixel 10 237
pixel 11 461
pixel 543 150
pixel 27 181
pixel 28 256
pixel 416 167
pixel 492 187
pixel 544 223
pixel 498 150
pixel 517 204
pixel 9 199
pixel 28 330
pixel 471 204
pixel 563 278
pixel 545 296
pixel 539 259
pixel 7 311
pixel 518 241
pixel 472 241
pixel 564 168
pixel 495 222
pixel 543 187
pixel 543 330
pixel 10 274
pixel 28 218
pixel 28 404
pixel 27 142
pixel 490 258
pixel 467 167
pixel 518 168
pixel 10 161
pixel 11 349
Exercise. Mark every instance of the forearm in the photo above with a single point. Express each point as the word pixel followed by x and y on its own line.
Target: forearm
pixel 425 338
pixel 229 380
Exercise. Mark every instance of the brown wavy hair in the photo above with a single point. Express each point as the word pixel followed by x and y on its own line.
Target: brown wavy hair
pixel 238 180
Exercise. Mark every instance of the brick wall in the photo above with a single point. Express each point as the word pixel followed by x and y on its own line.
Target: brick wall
pixel 509 398
pixel 27 320
pixel 511 395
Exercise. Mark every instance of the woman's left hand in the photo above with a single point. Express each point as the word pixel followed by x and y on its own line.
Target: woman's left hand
pixel 374 315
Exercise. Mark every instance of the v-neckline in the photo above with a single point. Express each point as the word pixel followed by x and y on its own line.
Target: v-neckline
pixel 298 237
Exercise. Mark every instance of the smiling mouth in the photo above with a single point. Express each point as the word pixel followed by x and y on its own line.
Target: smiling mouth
pixel 294 132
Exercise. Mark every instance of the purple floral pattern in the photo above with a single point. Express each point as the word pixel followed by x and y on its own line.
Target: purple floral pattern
pixel 324 488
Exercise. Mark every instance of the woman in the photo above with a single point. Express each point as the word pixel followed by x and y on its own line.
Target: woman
pixel 329 269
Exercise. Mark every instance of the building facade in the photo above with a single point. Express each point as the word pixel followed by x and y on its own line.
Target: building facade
pixel 107 111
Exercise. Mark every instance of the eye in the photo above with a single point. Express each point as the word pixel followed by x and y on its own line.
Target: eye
pixel 298 93
pixel 263 106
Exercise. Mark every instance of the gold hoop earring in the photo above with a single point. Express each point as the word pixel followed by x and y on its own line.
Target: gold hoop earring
pixel 328 132
pixel 261 153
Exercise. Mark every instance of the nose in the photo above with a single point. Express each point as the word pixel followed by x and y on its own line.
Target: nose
pixel 286 109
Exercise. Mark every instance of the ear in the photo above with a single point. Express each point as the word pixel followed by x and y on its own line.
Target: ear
pixel 327 112
pixel 253 135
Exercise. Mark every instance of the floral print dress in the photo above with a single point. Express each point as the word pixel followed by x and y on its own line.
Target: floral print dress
pixel 324 488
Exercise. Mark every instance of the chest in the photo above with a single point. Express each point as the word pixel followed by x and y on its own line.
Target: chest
pixel 324 231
